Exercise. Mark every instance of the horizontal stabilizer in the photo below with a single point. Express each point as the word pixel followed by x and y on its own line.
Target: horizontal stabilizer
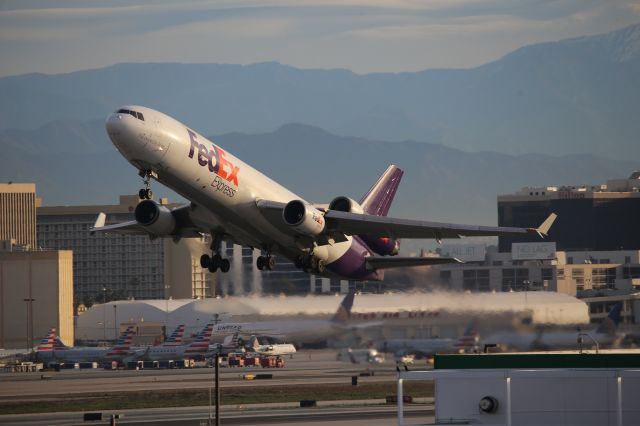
pixel 543 230
pixel 401 262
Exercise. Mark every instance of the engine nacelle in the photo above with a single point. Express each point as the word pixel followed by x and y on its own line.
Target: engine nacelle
pixel 303 217
pixel 384 246
pixel 156 218
pixel 345 204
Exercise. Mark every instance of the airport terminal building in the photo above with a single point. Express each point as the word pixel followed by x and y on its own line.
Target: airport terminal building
pixel 123 266
pixel 590 217
pixel 592 251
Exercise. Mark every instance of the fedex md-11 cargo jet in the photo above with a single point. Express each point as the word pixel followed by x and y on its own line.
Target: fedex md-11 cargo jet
pixel 234 202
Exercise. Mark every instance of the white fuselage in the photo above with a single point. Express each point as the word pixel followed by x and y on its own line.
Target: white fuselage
pixel 275 350
pixel 202 172
pixel 302 331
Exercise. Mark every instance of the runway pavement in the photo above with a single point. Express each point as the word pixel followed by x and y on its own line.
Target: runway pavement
pixel 292 416
pixel 306 367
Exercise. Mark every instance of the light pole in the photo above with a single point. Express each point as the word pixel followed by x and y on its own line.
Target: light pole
pixel 115 322
pixel 29 301
pixel 167 287
pixel 104 314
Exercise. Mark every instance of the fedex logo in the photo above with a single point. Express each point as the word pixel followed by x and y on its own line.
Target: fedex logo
pixel 214 159
pixel 318 218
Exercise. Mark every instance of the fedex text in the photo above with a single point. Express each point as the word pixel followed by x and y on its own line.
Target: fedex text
pixel 215 160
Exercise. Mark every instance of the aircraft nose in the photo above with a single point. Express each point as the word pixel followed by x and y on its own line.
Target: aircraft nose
pixel 115 124
pixel 121 129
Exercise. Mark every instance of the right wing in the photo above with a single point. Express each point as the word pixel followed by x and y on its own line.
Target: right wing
pixel 184 226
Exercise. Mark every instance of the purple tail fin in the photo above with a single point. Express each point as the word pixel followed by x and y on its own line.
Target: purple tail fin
pixel 378 199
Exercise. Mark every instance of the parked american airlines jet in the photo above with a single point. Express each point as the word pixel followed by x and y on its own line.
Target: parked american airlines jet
pixel 195 349
pixel 236 203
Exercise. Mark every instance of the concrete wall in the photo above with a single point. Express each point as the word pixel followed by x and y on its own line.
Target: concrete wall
pixel 47 278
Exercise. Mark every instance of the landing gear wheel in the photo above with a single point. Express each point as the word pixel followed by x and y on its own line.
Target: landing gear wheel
pixel 270 263
pixel 142 193
pixel 322 266
pixel 225 265
pixel 215 263
pixel 313 263
pixel 205 260
pixel 266 262
pixel 146 193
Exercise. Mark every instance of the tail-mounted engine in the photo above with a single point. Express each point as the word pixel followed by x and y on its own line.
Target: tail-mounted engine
pixel 155 217
pixel 384 246
pixel 303 217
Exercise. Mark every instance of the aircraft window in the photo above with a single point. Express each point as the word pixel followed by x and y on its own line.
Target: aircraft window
pixel 135 114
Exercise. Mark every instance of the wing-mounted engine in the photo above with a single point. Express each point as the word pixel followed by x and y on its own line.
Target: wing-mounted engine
pixel 303 218
pixel 155 218
pixel 345 204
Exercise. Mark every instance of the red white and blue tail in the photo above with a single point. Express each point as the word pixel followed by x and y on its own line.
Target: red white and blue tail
pixel 47 343
pixel 175 339
pixel 122 347
pixel 200 345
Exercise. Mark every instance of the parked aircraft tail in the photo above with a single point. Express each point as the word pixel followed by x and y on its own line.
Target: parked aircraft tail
pixel 610 324
pixel 231 341
pixel 378 199
pixel 470 337
pixel 175 339
pixel 201 344
pixel 48 341
pixel 123 344
pixel 344 310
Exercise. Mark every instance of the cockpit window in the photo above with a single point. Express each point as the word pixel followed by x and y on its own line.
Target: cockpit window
pixel 135 114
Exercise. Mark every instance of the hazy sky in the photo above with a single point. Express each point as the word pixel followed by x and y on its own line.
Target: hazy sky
pixel 363 36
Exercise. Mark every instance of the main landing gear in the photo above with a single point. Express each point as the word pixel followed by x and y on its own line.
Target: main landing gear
pixel 215 262
pixel 267 262
pixel 310 263
pixel 145 193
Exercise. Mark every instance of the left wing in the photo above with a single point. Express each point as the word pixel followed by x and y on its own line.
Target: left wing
pixel 339 223
pixel 384 262
pixel 364 224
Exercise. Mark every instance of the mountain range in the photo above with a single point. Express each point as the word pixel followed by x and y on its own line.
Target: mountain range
pixel 572 96
pixel 560 113
pixel 440 183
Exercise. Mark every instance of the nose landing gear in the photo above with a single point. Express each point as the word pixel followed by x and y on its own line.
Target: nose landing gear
pixel 146 193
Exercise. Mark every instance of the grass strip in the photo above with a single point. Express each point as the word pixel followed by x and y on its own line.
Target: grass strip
pixel 229 396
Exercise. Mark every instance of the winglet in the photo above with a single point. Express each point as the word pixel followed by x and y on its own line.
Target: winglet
pixel 100 220
pixel 543 229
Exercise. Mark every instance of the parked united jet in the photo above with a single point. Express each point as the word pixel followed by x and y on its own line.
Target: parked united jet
pixel 236 203
pixel 299 331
